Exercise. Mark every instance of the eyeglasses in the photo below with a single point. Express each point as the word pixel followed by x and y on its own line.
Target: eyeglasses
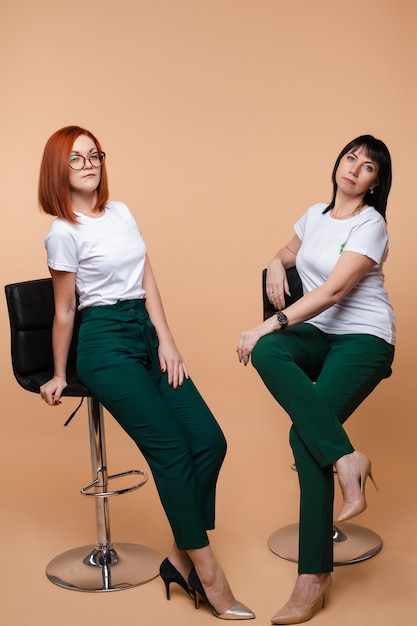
pixel 78 161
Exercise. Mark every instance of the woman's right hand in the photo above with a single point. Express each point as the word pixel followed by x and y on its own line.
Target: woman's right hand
pixel 276 283
pixel 276 276
pixel 51 391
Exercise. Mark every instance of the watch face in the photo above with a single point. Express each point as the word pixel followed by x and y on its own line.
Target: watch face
pixel 282 319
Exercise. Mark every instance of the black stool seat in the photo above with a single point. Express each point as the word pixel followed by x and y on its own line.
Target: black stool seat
pixel 103 566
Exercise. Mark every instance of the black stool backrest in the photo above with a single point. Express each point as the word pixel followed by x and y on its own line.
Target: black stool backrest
pixel 31 313
pixel 296 291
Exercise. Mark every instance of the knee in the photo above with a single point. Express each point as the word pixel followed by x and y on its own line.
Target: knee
pixel 262 355
pixel 214 444
pixel 220 447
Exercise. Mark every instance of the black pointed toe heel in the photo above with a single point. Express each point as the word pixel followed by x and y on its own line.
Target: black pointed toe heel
pixel 237 611
pixel 170 574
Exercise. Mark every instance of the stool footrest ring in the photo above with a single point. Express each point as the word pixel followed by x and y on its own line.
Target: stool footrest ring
pixel 117 492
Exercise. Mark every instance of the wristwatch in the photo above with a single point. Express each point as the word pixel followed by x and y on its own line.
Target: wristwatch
pixel 282 320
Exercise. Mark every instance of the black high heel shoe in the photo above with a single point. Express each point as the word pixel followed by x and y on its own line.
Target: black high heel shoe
pixel 170 574
pixel 237 611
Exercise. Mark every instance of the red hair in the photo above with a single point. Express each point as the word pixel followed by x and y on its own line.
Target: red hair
pixel 54 191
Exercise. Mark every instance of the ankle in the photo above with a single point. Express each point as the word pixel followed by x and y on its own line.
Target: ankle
pixel 307 586
pixel 348 471
pixel 217 588
pixel 181 561
pixel 346 462
pixel 206 565
pixel 315 578
pixel 310 580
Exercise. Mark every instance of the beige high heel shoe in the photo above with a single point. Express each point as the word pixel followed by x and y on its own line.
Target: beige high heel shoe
pixel 351 509
pixel 298 616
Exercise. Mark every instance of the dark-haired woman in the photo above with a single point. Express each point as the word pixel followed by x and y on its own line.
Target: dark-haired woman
pixel 340 332
pixel 128 358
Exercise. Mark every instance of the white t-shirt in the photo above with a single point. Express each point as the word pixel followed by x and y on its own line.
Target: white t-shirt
pixel 366 308
pixel 106 253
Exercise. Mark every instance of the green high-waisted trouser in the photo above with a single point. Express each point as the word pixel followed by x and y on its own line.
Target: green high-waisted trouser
pixel 176 432
pixel 346 369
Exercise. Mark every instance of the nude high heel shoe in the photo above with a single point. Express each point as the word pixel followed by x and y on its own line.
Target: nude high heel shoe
pixel 351 509
pixel 298 616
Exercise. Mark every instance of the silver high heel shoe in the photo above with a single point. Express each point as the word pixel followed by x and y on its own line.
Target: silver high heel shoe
pixel 351 509
pixel 237 611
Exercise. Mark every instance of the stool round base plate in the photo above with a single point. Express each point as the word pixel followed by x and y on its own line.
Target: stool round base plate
pixel 133 565
pixel 351 543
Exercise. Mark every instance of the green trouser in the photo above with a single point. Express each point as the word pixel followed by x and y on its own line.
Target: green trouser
pixel 174 429
pixel 346 369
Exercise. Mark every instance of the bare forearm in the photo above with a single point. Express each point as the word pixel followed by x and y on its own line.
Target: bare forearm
pixel 284 256
pixel 310 305
pixel 169 357
pixel 65 305
pixel 350 268
pixel 61 340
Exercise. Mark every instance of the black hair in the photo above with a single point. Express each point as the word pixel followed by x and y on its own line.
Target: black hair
pixel 377 152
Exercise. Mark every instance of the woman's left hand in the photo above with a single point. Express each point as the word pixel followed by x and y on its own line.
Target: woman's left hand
pixel 171 362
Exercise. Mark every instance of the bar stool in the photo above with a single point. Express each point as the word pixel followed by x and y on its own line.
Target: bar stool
pixel 104 566
pixel 351 543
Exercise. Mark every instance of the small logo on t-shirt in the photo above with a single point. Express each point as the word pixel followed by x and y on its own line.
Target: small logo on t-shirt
pixel 342 247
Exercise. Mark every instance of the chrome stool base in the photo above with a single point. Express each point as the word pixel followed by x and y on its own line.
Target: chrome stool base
pixel 351 543
pixel 93 569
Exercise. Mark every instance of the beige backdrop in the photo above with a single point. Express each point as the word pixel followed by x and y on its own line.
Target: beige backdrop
pixel 221 120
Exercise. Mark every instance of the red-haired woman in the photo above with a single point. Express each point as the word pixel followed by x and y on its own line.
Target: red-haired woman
pixel 128 358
